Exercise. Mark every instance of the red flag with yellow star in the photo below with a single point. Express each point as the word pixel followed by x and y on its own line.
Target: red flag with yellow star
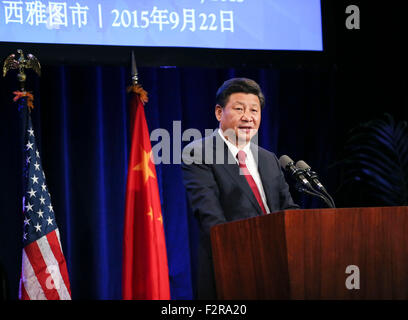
pixel 145 273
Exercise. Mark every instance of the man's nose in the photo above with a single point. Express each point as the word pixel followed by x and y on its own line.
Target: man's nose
pixel 247 116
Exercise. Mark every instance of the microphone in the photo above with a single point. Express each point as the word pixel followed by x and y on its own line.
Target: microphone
pixel 312 176
pixel 302 174
pixel 296 173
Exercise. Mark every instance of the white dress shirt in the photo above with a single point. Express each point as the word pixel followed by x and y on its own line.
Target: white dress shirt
pixel 250 163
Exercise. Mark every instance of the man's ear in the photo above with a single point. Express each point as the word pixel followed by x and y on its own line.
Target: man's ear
pixel 218 112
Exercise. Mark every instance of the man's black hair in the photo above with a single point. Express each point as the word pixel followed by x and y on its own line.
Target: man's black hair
pixel 238 85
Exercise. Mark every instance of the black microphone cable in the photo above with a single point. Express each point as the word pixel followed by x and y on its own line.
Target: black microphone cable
pixel 302 182
pixel 314 179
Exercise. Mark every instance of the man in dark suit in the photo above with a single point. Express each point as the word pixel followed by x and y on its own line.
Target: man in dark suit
pixel 227 176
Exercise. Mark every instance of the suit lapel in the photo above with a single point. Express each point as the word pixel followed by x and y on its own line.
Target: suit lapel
pixel 231 167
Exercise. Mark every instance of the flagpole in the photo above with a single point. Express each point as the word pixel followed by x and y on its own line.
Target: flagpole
pixel 135 78
pixel 42 251
pixel 135 87
pixel 145 274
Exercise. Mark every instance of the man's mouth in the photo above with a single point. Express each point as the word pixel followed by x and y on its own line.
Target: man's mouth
pixel 246 129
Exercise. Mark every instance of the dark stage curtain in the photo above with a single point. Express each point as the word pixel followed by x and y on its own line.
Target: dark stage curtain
pixel 81 122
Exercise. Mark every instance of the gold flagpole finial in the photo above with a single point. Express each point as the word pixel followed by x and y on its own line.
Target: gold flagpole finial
pixel 21 64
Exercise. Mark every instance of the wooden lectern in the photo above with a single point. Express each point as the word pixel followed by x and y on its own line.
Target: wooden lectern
pixel 350 253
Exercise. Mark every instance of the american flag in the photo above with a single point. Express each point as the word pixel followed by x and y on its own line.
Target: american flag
pixel 44 273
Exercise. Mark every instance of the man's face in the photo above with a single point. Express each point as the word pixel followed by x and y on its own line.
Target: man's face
pixel 241 117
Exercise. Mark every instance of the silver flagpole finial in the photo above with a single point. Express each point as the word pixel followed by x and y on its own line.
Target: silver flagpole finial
pixel 135 78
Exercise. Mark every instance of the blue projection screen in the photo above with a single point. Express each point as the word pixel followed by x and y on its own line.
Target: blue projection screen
pixel 220 24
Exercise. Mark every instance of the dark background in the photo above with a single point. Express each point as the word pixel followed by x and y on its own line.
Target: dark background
pixel 81 122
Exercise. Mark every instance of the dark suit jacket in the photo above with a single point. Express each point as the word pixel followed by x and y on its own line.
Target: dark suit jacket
pixel 218 193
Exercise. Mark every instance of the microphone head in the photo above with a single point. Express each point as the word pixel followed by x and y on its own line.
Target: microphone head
pixel 284 161
pixel 302 165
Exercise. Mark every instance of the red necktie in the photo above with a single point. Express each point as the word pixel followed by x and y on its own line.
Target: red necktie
pixel 244 170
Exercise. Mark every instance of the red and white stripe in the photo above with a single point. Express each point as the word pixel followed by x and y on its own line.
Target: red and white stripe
pixel 44 271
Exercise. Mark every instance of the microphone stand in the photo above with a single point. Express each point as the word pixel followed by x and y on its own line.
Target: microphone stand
pixel 315 193
pixel 313 178
pixel 304 178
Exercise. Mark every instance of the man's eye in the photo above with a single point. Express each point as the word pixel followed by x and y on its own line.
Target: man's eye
pixel 255 110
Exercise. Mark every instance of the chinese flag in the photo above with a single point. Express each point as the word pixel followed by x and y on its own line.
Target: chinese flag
pixel 145 273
